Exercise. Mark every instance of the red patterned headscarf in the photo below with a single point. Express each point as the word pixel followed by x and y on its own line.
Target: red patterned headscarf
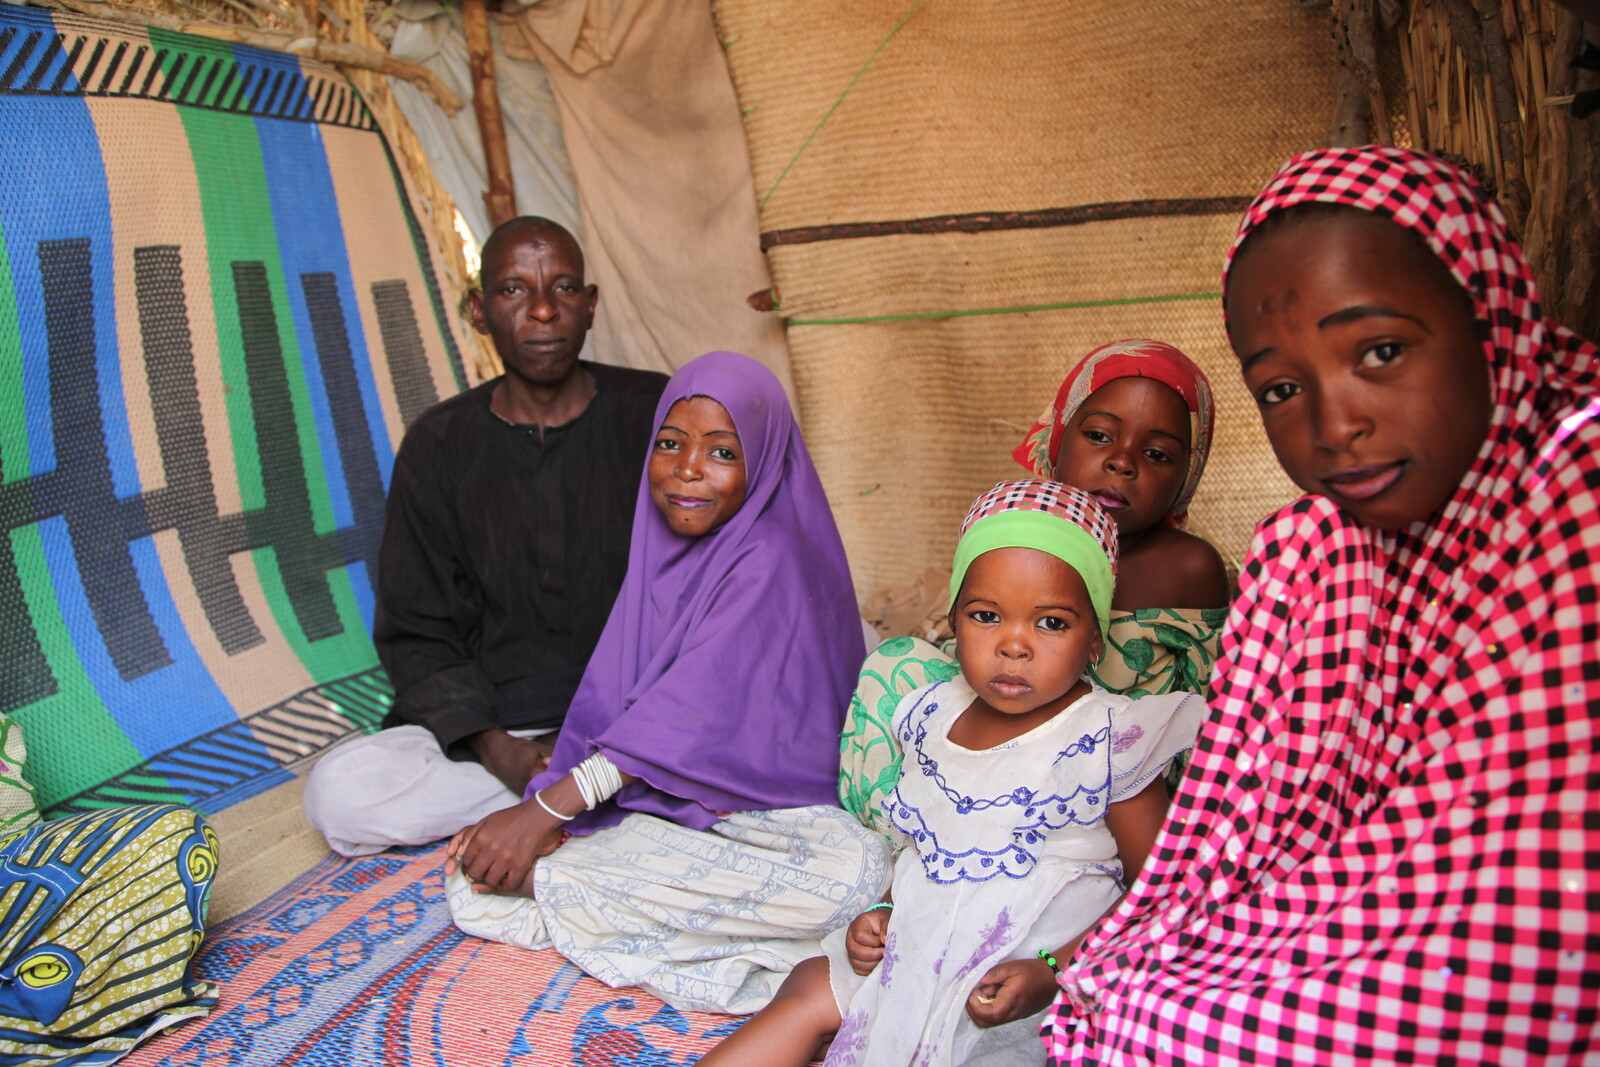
pixel 1134 358
pixel 1384 850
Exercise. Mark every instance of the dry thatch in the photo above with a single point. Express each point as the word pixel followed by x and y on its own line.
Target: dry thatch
pixel 439 210
pixel 960 200
pixel 1490 83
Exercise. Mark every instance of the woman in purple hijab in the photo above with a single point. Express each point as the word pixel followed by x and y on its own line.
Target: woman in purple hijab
pixel 686 835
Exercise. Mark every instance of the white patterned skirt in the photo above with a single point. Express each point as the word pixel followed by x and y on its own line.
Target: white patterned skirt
pixel 707 920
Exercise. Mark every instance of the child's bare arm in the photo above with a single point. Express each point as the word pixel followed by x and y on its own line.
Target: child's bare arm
pixel 1135 822
pixel 1017 989
pixel 864 941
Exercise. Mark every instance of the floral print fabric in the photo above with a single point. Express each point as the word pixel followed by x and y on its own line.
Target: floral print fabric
pixel 19 803
pixel 1160 650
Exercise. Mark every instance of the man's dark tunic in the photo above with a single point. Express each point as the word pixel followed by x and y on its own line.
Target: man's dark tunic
pixel 503 548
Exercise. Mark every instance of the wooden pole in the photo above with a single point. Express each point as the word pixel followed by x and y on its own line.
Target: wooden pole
pixel 501 196
pixel 310 13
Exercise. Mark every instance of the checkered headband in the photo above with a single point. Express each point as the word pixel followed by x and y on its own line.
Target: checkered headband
pixel 1383 850
pixel 1059 519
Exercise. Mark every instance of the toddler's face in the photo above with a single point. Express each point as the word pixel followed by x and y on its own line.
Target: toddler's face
pixel 1366 363
pixel 696 471
pixel 1128 447
pixel 1025 631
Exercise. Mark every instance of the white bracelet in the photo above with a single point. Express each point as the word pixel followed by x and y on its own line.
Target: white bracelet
pixel 540 798
pixel 598 779
pixel 607 776
pixel 585 787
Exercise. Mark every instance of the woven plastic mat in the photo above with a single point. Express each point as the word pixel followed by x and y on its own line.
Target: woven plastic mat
pixel 357 963
pixel 217 316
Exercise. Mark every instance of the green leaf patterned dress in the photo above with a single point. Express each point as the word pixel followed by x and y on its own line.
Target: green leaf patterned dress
pixel 19 804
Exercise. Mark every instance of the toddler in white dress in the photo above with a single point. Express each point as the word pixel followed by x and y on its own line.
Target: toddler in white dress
pixel 1028 800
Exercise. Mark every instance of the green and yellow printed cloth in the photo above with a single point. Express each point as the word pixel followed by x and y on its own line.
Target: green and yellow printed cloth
pixel 100 917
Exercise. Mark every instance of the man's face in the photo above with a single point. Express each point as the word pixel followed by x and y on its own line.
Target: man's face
pixel 534 304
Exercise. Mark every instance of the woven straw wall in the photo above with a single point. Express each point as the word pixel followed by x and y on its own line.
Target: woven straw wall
pixel 1020 117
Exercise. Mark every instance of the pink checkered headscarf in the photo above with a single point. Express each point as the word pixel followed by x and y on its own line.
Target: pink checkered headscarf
pixel 1059 519
pixel 1052 498
pixel 1383 850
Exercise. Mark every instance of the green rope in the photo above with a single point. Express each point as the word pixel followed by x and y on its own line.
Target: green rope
pixel 1008 311
pixel 829 114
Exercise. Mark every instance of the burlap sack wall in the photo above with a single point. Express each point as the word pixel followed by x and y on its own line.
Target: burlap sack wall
pixel 1106 150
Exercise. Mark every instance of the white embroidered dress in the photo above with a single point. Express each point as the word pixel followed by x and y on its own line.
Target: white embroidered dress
pixel 1008 853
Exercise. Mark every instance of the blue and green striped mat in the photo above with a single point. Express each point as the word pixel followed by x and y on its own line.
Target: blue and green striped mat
pixel 217 315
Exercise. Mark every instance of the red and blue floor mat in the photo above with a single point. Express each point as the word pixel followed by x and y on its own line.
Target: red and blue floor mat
pixel 357 962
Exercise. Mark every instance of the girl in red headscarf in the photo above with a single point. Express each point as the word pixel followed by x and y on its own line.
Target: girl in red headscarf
pixel 1131 425
pixel 1385 848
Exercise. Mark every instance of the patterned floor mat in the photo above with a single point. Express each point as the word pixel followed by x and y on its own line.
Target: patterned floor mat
pixel 357 962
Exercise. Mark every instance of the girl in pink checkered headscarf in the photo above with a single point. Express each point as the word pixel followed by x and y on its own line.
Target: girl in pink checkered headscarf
pixel 1383 850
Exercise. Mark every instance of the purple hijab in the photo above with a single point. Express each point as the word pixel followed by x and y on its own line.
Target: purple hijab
pixel 723 674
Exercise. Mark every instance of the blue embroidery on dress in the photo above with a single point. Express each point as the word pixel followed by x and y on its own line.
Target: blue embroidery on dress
pixel 1040 814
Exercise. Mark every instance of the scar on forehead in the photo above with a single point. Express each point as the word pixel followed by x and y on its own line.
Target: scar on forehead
pixel 1271 304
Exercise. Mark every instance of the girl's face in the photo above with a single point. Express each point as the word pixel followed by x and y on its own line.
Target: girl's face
pixel 1366 362
pixel 1128 447
pixel 1025 632
pixel 696 471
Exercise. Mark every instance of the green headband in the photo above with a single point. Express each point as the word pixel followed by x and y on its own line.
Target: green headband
pixel 1060 537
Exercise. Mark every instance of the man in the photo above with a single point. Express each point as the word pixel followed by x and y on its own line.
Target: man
pixel 505 542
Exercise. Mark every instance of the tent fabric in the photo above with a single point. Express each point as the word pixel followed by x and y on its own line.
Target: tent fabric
pixel 961 200
pixel 431 36
pixel 638 94
pixel 653 130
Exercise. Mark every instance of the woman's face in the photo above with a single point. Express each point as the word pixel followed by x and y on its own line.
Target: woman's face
pixel 1366 362
pixel 1128 447
pixel 696 471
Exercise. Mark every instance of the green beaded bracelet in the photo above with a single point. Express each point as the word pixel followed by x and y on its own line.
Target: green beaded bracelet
pixel 880 904
pixel 1049 958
